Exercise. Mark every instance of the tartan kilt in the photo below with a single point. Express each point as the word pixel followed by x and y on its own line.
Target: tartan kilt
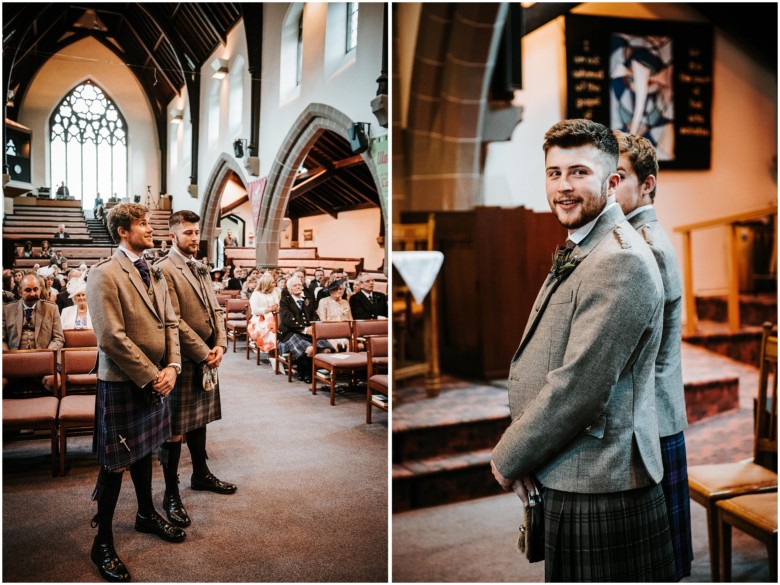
pixel 192 407
pixel 613 537
pixel 298 343
pixel 120 411
pixel 678 502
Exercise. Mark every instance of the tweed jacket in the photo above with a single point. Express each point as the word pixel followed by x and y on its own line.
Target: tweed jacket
pixel 581 384
pixel 137 331
pixel 201 318
pixel 292 319
pixel 48 327
pixel 362 308
pixel 669 392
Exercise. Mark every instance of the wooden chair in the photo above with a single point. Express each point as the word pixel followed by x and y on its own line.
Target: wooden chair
pixel 365 328
pixel 710 484
pixel 80 338
pixel 335 363
pixel 410 237
pixel 754 514
pixel 22 417
pixel 280 358
pixel 377 389
pixel 236 321
pixel 77 410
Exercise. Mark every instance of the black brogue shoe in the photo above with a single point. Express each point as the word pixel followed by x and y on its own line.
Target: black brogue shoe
pixel 210 483
pixel 156 524
pixel 108 563
pixel 174 509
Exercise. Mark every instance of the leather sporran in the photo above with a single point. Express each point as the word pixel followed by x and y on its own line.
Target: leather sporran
pixel 530 541
pixel 210 378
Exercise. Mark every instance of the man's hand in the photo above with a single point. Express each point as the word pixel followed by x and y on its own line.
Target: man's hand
pixel 214 357
pixel 505 483
pixel 522 487
pixel 165 381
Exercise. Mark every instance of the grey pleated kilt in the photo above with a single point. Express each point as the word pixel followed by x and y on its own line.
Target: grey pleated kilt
pixel 613 537
pixel 678 502
pixel 121 412
pixel 298 343
pixel 192 407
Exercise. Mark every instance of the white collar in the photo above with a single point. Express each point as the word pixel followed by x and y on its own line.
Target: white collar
pixel 639 210
pixel 582 232
pixel 176 250
pixel 131 255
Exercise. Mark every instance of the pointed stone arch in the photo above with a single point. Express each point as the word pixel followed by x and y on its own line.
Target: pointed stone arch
pixel 209 206
pixel 316 119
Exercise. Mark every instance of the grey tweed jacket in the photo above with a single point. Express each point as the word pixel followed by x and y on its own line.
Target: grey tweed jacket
pixel 669 392
pixel 581 384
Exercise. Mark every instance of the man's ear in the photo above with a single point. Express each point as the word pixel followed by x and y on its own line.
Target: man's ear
pixel 648 185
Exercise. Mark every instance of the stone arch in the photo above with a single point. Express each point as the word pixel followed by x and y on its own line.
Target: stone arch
pixel 209 205
pixel 316 119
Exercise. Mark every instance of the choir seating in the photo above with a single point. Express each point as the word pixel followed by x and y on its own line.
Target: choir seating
pixel 711 484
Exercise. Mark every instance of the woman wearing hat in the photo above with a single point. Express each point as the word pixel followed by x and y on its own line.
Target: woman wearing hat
pixel 216 280
pixel 335 308
pixel 47 276
pixel 77 315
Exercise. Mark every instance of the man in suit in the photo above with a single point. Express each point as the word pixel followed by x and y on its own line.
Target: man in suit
pixel 367 304
pixel 581 389
pixel 203 342
pixel 61 234
pixel 138 363
pixel 296 314
pixel 32 323
pixel 62 191
pixel 638 169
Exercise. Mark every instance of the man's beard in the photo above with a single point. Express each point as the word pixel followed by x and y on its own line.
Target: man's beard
pixel 589 209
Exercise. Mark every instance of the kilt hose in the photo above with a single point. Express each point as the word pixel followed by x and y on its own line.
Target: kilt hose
pixel 191 406
pixel 298 343
pixel 612 537
pixel 126 428
pixel 678 502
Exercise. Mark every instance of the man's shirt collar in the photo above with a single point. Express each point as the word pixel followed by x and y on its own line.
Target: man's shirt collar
pixel 582 232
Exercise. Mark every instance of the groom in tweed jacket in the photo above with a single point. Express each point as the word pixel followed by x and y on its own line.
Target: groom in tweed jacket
pixel 203 342
pixel 581 390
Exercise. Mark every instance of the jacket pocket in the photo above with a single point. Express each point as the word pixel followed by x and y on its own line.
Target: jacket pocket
pixel 597 428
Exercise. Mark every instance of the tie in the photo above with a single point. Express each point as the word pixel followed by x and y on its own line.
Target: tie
pixel 28 313
pixel 193 268
pixel 371 297
pixel 300 304
pixel 144 270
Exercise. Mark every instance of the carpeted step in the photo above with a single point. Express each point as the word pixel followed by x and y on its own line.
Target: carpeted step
pixel 743 345
pixel 754 309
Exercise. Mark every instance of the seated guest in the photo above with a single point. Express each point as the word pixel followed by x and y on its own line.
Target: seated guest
pixel 317 282
pixel 296 314
pixel 64 298
pixel 281 286
pixel 61 234
pixel 164 248
pixel 262 325
pixel 57 259
pixel 18 275
pixel 8 288
pixel 98 210
pixel 216 279
pixel 27 251
pixel 250 284
pixel 368 304
pixel 77 315
pixel 47 291
pixel 45 250
pixel 335 308
pixel 32 323
pixel 234 282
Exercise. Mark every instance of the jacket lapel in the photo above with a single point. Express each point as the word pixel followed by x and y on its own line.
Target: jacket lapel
pixel 135 278
pixel 181 264
pixel 643 218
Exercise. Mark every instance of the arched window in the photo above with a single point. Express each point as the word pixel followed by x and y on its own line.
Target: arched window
pixel 89 144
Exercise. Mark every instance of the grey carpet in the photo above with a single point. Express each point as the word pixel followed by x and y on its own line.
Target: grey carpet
pixel 311 504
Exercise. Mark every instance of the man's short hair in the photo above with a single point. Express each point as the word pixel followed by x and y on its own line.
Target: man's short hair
pixel 183 216
pixel 641 153
pixel 579 132
pixel 123 215
pixel 294 280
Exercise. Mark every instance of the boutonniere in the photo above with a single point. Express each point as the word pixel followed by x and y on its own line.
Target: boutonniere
pixel 157 272
pixel 306 302
pixel 563 262
pixel 202 268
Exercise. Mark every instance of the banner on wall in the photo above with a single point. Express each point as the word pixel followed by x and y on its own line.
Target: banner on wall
pixel 254 192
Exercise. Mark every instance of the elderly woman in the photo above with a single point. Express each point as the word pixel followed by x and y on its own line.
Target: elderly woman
pixel 335 308
pixel 77 315
pixel 262 325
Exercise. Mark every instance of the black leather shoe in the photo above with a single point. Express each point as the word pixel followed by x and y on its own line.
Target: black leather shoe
pixel 108 563
pixel 156 524
pixel 210 483
pixel 175 511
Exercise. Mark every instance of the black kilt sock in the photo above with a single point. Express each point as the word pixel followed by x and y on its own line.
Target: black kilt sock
pixel 170 453
pixel 141 472
pixel 106 493
pixel 196 441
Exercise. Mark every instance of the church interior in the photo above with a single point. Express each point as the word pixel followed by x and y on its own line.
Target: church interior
pixel 397 144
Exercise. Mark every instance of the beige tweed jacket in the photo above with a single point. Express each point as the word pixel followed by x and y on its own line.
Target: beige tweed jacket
pixel 46 318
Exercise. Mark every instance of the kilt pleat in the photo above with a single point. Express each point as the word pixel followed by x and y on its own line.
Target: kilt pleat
pixel 298 343
pixel 121 413
pixel 613 537
pixel 192 407
pixel 678 502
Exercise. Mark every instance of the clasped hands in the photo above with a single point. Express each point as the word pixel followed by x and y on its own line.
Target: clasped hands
pixel 521 486
pixel 165 381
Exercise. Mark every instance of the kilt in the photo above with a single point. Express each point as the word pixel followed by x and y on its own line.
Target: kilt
pixel 121 412
pixel 621 536
pixel 192 407
pixel 678 502
pixel 298 343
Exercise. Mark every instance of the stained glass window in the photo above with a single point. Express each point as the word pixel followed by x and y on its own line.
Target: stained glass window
pixel 89 144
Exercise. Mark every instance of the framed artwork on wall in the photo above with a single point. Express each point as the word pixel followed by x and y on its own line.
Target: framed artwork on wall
pixel 647 77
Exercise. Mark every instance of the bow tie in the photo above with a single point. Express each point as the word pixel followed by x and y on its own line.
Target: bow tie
pixel 144 270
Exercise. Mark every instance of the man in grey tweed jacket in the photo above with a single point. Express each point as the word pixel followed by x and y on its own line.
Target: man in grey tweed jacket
pixel 203 342
pixel 581 390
